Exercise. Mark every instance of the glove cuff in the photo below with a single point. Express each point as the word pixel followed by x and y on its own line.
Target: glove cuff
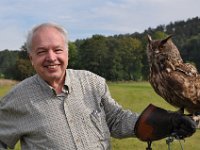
pixel 153 124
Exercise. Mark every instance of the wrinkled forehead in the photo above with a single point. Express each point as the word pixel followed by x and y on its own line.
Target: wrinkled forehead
pixel 48 33
pixel 48 37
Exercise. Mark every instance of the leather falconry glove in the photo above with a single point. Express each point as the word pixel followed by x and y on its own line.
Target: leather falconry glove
pixel 156 123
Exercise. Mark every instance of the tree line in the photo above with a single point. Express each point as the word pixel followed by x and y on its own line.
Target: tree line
pixel 118 57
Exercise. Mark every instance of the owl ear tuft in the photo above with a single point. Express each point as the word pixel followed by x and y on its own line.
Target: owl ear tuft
pixel 166 39
pixel 149 38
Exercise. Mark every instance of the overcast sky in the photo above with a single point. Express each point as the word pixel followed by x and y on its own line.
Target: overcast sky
pixel 84 18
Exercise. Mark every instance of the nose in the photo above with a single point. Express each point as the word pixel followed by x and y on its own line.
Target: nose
pixel 51 56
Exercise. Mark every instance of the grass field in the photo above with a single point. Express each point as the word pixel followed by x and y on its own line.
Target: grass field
pixel 135 96
pixel 5 85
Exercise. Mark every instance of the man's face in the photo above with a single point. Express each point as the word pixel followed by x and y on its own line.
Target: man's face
pixel 49 54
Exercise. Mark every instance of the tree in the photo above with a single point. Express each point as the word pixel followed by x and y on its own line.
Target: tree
pixel 73 56
pixel 23 69
pixel 113 64
pixel 131 54
pixel 159 35
pixel 191 50
pixel 7 61
pixel 92 54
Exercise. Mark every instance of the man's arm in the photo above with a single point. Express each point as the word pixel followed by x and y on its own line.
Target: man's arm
pixel 121 122
pixel 8 123
pixel 3 146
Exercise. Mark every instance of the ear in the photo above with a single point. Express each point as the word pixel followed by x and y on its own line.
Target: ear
pixel 30 58
pixel 166 39
pixel 149 38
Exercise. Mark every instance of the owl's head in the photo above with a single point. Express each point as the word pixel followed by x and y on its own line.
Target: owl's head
pixel 159 51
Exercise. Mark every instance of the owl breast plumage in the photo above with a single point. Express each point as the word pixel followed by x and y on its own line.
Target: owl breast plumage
pixel 175 81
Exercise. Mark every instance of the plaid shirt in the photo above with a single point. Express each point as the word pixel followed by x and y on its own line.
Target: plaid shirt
pixel 83 117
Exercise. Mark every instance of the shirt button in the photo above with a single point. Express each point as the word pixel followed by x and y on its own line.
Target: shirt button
pixel 78 140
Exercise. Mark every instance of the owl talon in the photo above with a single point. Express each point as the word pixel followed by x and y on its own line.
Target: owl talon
pixel 196 118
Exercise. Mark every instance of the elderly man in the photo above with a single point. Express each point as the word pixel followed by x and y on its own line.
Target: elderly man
pixel 62 109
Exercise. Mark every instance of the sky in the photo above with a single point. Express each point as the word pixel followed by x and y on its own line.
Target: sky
pixel 84 18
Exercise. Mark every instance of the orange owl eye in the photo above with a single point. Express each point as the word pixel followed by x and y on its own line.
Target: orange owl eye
pixel 161 47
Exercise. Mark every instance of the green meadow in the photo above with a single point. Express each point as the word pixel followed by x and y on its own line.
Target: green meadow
pixel 135 96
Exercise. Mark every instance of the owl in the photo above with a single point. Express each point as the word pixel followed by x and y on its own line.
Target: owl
pixel 176 82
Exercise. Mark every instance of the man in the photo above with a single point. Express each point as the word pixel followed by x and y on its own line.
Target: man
pixel 62 109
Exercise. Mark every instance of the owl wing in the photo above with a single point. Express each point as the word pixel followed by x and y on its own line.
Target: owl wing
pixel 185 84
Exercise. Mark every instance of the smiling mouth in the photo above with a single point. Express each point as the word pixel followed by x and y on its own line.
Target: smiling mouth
pixel 51 66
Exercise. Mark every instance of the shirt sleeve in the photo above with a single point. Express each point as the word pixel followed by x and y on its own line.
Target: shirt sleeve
pixel 121 122
pixel 3 146
pixel 8 124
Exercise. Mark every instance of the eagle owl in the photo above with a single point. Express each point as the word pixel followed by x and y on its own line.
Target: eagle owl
pixel 175 81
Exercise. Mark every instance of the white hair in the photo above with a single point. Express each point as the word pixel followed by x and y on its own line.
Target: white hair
pixel 34 29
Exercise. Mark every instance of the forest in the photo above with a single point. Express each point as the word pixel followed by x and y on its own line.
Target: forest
pixel 117 58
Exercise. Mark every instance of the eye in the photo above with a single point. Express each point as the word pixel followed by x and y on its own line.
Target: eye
pixel 58 50
pixel 161 47
pixel 41 51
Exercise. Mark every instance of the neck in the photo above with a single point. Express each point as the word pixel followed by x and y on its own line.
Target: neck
pixel 57 84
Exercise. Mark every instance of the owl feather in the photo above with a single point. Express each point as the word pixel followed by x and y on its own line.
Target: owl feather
pixel 176 82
